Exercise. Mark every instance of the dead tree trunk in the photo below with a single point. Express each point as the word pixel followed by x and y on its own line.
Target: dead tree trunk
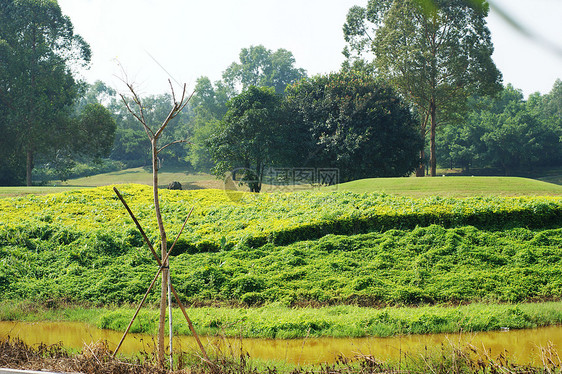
pixel 154 136
pixel 163 251
pixel 29 167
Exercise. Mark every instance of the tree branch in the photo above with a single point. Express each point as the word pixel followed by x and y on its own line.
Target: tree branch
pixel 177 108
pixel 172 143
pixel 138 102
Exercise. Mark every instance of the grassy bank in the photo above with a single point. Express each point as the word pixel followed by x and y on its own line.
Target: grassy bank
pixel 456 186
pixel 279 321
pixel 81 247
pixel 450 186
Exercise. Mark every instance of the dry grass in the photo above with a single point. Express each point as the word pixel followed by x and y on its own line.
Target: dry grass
pixel 97 358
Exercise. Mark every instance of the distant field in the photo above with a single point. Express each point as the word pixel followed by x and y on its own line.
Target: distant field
pixel 450 186
pixel 22 191
pixel 134 175
pixel 144 176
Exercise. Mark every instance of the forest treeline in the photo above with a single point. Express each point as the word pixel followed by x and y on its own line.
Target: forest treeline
pixel 505 133
pixel 365 120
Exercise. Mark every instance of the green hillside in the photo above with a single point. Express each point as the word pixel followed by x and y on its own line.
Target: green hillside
pixel 306 247
pixel 454 186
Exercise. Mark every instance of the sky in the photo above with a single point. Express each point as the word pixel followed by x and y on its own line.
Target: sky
pixel 147 41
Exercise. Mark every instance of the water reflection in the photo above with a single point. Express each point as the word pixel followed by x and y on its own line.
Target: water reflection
pixel 523 346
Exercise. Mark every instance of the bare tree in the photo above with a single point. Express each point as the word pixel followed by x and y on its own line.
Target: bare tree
pixel 135 107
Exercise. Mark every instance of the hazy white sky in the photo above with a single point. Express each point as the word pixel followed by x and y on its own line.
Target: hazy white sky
pixel 192 38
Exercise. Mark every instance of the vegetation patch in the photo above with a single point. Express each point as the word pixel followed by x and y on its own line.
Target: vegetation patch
pixel 290 250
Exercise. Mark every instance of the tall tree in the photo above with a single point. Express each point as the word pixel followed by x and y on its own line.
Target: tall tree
pixel 137 109
pixel 436 53
pixel 261 67
pixel 257 66
pixel 41 51
pixel 250 136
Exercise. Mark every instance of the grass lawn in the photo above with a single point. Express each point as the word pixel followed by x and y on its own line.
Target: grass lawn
pixel 141 175
pixel 40 190
pixel 454 186
pixel 135 175
pixel 450 186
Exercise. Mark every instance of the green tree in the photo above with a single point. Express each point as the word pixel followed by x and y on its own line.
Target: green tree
pixel 41 51
pixel 515 138
pixel 504 132
pixel 436 53
pixel 210 98
pixel 261 67
pixel 95 131
pixel 208 106
pixel 250 136
pixel 460 145
pixel 354 122
pixel 548 107
pixel 93 134
pixel 202 125
pixel 258 66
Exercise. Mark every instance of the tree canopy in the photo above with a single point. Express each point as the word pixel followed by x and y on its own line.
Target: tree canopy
pixel 39 53
pixel 353 122
pixel 436 53
pixel 261 67
pixel 505 133
pixel 250 136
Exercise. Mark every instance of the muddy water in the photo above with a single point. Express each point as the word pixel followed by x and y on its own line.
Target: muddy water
pixel 523 346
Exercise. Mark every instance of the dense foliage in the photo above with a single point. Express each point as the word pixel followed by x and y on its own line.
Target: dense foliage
pixel 354 122
pixel 39 55
pixel 262 67
pixel 250 137
pixel 435 53
pixel 309 247
pixel 506 133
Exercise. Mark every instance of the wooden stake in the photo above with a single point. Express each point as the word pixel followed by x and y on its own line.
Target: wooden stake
pixel 146 295
pixel 170 324
pixel 180 304
pixel 137 311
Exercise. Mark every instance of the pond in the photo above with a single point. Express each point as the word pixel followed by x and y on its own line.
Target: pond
pixel 523 346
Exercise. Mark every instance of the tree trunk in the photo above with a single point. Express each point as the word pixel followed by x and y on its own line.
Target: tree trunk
pixel 29 167
pixel 420 171
pixel 164 251
pixel 432 148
